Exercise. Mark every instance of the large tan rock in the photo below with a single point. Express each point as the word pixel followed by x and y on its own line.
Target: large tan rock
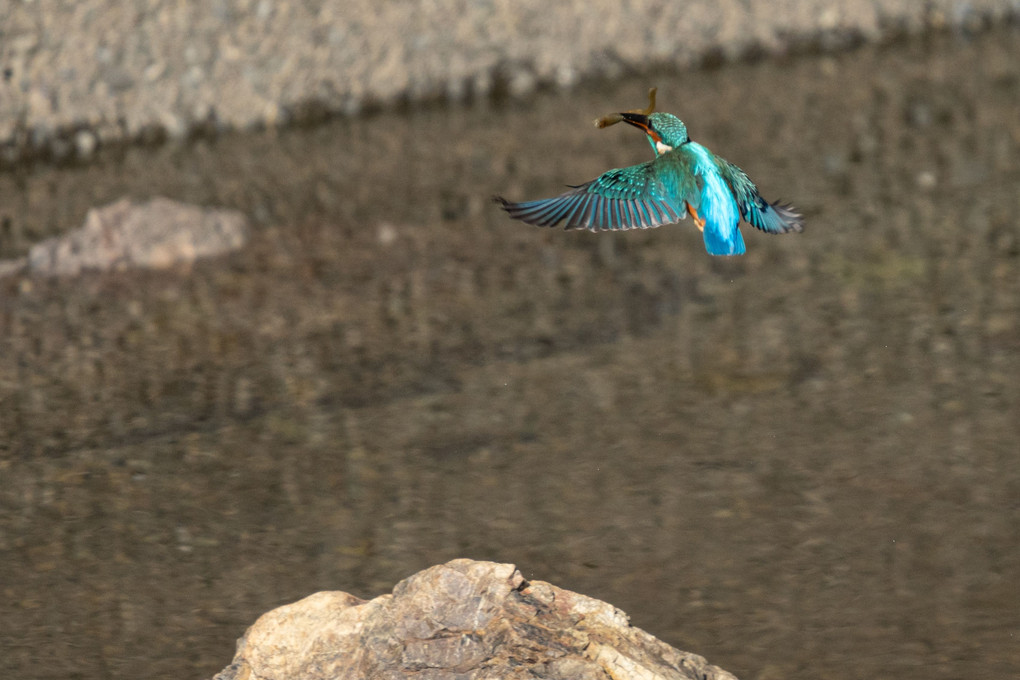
pixel 463 620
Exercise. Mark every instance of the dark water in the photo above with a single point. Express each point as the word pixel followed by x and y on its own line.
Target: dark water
pixel 801 463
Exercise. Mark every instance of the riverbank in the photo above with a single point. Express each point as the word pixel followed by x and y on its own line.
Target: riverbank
pixel 77 75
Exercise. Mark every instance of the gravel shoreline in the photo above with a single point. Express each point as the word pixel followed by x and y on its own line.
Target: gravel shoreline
pixel 77 74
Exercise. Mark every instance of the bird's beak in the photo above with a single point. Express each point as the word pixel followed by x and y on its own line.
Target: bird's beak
pixel 638 120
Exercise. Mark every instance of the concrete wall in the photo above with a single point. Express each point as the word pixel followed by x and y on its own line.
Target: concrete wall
pixel 79 73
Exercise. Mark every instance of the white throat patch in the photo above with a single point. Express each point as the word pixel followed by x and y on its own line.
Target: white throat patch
pixel 662 148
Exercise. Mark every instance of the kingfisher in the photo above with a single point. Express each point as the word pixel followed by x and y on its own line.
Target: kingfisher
pixel 684 178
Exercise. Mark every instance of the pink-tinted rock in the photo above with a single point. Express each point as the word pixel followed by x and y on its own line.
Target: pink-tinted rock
pixel 463 620
pixel 156 234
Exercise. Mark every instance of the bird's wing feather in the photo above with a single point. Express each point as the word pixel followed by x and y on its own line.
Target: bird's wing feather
pixel 774 218
pixel 635 197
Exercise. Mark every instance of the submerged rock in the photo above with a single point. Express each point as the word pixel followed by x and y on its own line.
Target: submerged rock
pixel 463 620
pixel 157 234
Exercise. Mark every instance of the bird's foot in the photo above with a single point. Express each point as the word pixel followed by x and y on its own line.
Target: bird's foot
pixel 698 221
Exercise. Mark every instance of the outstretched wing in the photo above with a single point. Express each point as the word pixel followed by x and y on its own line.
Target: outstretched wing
pixel 635 197
pixel 774 218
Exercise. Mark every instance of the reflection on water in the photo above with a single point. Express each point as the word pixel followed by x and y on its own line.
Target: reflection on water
pixel 800 463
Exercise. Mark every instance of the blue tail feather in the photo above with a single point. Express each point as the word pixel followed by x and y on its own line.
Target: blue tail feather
pixel 719 210
pixel 718 243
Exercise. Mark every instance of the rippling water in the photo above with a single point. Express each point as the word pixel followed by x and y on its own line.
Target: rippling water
pixel 801 463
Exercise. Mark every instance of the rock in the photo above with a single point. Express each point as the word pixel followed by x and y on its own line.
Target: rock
pixel 463 620
pixel 85 144
pixel 157 234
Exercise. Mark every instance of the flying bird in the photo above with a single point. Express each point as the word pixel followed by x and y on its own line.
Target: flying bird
pixel 684 178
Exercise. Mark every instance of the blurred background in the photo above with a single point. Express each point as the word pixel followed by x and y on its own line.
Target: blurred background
pixel 800 463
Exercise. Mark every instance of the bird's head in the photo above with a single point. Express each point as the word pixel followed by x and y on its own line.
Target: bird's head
pixel 665 131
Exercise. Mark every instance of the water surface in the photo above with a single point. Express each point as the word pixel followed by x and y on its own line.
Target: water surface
pixel 800 463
